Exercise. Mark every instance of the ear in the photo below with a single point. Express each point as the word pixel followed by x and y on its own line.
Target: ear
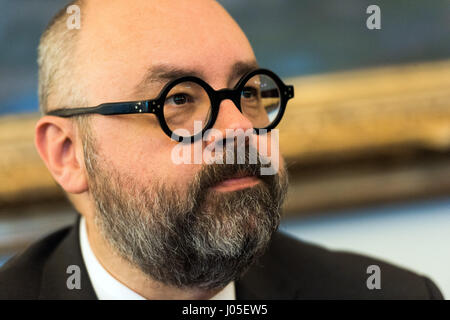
pixel 57 143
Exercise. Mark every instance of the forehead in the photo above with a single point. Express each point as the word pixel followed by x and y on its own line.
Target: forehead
pixel 121 40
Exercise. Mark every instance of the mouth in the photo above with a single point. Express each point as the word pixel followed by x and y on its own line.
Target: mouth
pixel 237 182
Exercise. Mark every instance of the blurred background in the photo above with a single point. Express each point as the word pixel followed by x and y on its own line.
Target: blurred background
pixel 366 139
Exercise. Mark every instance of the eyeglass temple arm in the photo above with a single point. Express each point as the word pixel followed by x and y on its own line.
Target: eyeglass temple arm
pixel 145 106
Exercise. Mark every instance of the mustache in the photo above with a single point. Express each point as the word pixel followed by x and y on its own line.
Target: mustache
pixel 241 166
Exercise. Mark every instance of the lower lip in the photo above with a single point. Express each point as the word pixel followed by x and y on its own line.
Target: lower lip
pixel 236 184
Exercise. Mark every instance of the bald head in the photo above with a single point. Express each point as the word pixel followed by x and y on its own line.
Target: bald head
pixel 120 43
pixel 122 40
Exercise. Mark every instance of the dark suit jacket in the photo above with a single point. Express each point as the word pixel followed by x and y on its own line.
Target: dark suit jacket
pixel 290 269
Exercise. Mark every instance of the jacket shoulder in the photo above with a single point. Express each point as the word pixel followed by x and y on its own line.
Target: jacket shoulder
pixel 307 271
pixel 20 277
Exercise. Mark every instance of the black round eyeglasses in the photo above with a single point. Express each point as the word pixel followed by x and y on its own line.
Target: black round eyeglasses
pixel 187 107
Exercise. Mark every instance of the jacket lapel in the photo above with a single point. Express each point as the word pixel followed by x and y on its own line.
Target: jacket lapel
pixel 55 273
pixel 265 280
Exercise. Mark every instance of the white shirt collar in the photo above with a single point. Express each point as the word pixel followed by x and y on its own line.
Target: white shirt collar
pixel 107 287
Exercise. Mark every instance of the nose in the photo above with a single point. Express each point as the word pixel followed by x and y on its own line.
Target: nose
pixel 230 117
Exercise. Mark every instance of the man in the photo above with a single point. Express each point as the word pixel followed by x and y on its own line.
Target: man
pixel 151 227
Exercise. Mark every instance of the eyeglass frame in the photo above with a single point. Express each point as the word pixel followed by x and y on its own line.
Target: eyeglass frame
pixel 156 106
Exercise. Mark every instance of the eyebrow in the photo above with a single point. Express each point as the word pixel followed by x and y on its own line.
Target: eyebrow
pixel 163 73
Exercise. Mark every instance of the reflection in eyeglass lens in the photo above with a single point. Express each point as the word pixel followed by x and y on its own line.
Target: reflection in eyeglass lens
pixel 260 100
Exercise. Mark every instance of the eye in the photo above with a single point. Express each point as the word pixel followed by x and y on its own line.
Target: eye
pixel 179 99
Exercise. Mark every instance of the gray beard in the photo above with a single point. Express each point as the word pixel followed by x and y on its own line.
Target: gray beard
pixel 199 238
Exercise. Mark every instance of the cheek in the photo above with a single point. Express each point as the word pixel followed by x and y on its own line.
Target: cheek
pixel 268 145
pixel 143 155
pixel 172 169
pixel 163 167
